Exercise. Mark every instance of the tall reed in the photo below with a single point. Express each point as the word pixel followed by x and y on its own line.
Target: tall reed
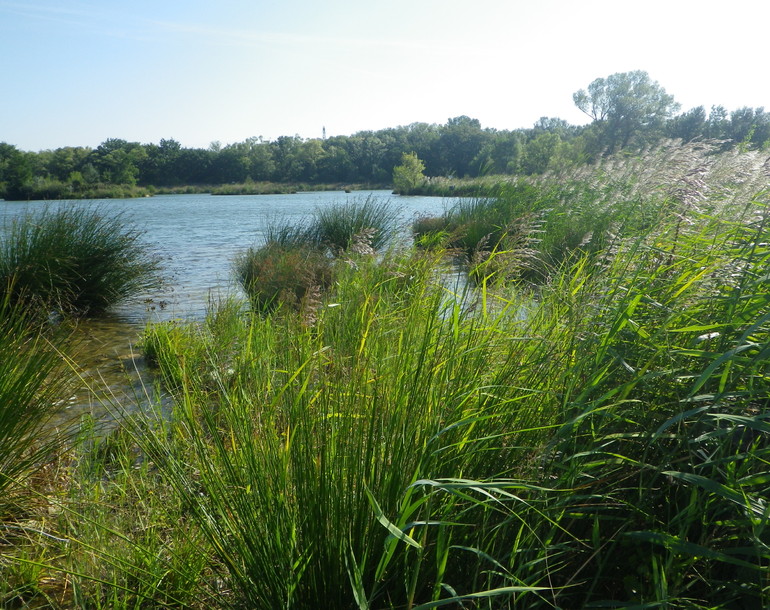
pixel 33 379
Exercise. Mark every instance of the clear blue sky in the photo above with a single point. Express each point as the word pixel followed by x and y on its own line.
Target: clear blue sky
pixel 76 72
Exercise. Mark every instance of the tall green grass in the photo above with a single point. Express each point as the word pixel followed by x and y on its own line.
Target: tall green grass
pixel 33 380
pixel 602 441
pixel 610 448
pixel 297 262
pixel 337 226
pixel 74 260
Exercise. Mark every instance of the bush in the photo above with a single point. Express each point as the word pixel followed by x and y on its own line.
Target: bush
pixel 74 261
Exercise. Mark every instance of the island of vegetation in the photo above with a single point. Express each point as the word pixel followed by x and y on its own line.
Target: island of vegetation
pixel 554 395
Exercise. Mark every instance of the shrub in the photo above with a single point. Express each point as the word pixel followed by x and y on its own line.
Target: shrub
pixel 74 260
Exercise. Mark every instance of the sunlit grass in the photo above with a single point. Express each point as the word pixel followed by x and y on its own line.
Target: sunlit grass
pixel 599 440
pixel 74 260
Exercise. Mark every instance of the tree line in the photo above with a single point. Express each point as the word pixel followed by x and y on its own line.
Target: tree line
pixel 628 111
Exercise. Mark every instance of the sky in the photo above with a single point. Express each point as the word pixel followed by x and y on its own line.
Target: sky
pixel 78 72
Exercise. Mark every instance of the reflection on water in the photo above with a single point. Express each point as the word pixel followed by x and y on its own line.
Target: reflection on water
pixel 197 237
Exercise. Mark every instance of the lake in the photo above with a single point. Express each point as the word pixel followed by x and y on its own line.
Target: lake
pixel 197 236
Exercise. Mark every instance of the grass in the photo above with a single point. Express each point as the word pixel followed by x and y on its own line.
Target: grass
pixel 32 379
pixel 74 261
pixel 297 263
pixel 410 447
pixel 336 226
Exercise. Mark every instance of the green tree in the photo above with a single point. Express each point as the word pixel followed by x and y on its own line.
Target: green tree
pixel 459 144
pixel 17 173
pixel 688 125
pixel 409 175
pixel 627 106
pixel 118 161
pixel 538 153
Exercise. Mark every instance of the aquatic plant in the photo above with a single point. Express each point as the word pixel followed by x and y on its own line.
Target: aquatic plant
pixel 275 274
pixel 335 226
pixel 33 380
pixel 74 260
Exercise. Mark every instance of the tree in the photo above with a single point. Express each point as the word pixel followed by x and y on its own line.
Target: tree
pixel 118 161
pixel 459 143
pixel 689 125
pixel 16 172
pixel 538 153
pixel 627 105
pixel 409 175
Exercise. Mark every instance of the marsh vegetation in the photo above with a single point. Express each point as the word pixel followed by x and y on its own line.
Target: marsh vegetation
pixel 377 440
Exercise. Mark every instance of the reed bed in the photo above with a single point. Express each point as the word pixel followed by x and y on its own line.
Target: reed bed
pixel 598 440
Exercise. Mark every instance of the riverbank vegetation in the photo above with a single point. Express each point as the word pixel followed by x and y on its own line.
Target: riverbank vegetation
pixel 627 111
pixel 583 424
pixel 73 260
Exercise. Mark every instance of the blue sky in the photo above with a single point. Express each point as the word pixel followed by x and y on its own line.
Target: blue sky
pixel 76 72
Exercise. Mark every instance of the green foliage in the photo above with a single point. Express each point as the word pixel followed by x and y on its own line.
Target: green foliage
pixel 625 105
pixel 276 274
pixel 297 262
pixel 599 441
pixel 409 175
pixel 73 260
pixel 336 226
pixel 33 379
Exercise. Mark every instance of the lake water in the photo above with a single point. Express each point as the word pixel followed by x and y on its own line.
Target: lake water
pixel 197 236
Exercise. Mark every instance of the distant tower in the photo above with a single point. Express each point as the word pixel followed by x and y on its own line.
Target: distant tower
pixel 324 134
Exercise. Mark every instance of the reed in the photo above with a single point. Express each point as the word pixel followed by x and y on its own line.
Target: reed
pixel 74 260
pixel 601 441
pixel 335 226
pixel 297 261
pixel 33 378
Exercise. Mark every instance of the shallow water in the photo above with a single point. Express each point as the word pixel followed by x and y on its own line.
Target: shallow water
pixel 198 237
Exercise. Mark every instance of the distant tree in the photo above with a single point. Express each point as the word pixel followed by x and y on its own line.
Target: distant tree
pixel 66 160
pixel 626 105
pixel 409 175
pixel 749 127
pixel 118 161
pixel 230 166
pixel 688 125
pixel 260 159
pixel 460 142
pixel 17 174
pixel 555 125
pixel 159 166
pixel 718 123
pixel 335 165
pixel 538 153
pixel 286 154
pixel 501 154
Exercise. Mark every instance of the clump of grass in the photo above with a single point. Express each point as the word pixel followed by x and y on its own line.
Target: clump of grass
pixel 74 260
pixel 275 274
pixel 297 262
pixel 335 226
